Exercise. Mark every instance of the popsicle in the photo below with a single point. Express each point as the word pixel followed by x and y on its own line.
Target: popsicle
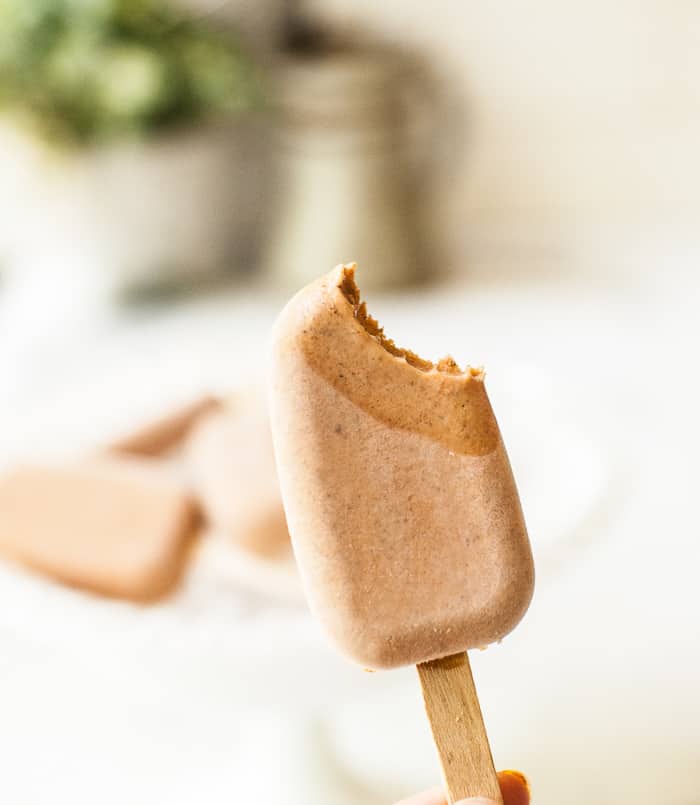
pixel 232 467
pixel 118 527
pixel 166 432
pixel 402 508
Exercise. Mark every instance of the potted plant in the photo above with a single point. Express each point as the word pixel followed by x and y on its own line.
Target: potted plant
pixel 136 154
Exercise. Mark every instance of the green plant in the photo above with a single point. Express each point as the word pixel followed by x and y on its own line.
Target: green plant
pixel 86 71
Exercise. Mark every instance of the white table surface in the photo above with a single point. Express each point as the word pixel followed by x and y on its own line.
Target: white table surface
pixel 221 697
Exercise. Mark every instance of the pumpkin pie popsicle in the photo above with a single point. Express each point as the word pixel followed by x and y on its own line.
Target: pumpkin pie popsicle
pixel 402 508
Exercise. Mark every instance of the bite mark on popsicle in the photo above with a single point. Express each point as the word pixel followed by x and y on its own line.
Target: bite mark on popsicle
pixel 342 342
pixel 350 290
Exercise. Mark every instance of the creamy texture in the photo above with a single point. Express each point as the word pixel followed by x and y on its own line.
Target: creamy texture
pixel 400 500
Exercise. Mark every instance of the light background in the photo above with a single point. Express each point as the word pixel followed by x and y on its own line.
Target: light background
pixel 565 204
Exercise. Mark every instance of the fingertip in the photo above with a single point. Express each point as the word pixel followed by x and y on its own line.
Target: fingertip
pixel 514 787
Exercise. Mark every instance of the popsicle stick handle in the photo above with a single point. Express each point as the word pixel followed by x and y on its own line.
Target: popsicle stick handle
pixel 458 729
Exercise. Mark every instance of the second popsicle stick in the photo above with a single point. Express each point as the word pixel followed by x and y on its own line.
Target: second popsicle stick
pixel 458 728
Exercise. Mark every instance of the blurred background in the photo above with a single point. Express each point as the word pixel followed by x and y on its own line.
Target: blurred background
pixel 520 185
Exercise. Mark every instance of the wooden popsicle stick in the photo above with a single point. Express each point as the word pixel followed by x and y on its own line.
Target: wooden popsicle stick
pixel 458 728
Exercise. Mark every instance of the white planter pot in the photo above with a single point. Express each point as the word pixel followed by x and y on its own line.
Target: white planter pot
pixel 176 209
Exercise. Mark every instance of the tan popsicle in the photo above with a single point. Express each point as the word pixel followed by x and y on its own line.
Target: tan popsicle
pixel 118 527
pixel 164 433
pixel 402 508
pixel 232 467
